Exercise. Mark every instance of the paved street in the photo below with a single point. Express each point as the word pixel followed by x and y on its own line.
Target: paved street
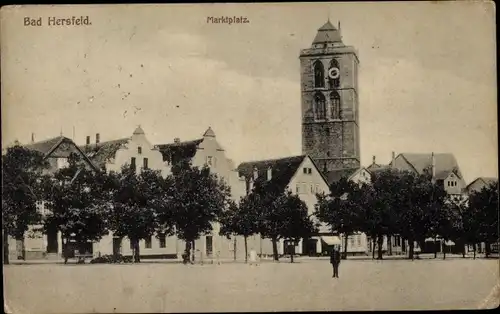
pixel 305 285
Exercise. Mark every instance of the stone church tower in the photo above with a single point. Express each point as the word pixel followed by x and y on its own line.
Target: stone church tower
pixel 330 110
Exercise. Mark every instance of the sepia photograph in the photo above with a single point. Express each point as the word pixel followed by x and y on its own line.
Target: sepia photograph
pixel 222 157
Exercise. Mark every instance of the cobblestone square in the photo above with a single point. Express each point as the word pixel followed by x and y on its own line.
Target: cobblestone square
pixel 305 285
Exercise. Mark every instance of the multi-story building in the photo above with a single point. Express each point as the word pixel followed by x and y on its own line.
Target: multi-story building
pixel 301 176
pixel 35 244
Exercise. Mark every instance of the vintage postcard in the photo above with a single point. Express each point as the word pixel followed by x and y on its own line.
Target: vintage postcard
pixel 249 157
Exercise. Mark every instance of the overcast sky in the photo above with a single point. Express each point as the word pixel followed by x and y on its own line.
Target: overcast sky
pixel 427 79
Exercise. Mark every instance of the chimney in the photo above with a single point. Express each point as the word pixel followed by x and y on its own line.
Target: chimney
pixel 433 166
pixel 88 140
pixel 373 162
pixel 255 173
pixel 393 163
pixel 269 174
pixel 97 138
pixel 177 140
pixel 32 137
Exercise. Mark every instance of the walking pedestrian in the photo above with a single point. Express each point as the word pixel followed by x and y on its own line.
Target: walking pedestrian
pixel 335 261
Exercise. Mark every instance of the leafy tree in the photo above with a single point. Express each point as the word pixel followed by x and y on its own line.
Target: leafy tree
pixel 22 172
pixel 77 204
pixel 379 205
pixel 139 200
pixel 197 201
pixel 484 204
pixel 341 210
pixel 282 215
pixel 241 220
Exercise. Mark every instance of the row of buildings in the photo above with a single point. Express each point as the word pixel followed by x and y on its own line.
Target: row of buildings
pixel 330 150
pixel 300 174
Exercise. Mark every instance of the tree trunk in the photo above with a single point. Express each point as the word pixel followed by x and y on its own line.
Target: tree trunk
pixel 136 251
pixel 444 250
pixel 380 242
pixel 275 249
pixel 463 250
pixel 474 248
pixel 246 249
pixel 5 248
pixel 346 237
pixel 411 244
pixel 373 246
pixel 389 245
pixel 186 257
pixel 193 249
pixel 435 248
pixel 234 248
pixel 487 248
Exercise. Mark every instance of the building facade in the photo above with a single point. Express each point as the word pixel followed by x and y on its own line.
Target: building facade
pixel 37 245
pixel 329 97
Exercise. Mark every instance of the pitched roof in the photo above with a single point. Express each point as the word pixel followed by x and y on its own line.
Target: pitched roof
pixel 445 163
pixel 46 146
pixel 376 167
pixel 336 175
pixel 209 132
pixel 282 169
pixel 485 180
pixel 100 153
pixel 175 152
pixel 327 34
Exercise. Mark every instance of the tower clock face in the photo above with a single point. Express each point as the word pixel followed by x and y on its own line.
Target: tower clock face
pixel 334 73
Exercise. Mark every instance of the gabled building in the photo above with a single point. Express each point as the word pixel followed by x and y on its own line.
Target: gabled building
pixel 137 152
pixel 479 183
pixel 37 245
pixel 301 176
pixel 207 151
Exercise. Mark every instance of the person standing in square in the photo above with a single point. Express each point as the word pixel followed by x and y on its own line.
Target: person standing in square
pixel 335 261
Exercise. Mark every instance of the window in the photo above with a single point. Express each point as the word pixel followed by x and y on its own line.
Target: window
pixel 298 188
pixel 358 237
pixel 163 241
pixel 304 188
pixel 319 74
pixel 317 188
pixel 334 83
pixel 145 163
pixel 148 242
pixel 319 101
pixel 351 241
pixel 132 163
pixel 209 160
pixel 305 170
pixel 209 246
pixel 312 189
pixel 310 170
pixel 335 105
pixel 139 150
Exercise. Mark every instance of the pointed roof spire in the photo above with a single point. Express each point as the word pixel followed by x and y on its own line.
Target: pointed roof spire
pixel 327 34
pixel 209 133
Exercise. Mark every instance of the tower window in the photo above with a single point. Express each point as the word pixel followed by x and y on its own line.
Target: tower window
pixel 145 165
pixel 334 82
pixel 335 105
pixel 319 74
pixel 319 101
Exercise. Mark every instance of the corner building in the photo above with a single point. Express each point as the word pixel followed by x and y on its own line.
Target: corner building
pixel 329 97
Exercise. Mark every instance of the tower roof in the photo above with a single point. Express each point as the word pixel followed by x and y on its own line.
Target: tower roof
pixel 327 34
